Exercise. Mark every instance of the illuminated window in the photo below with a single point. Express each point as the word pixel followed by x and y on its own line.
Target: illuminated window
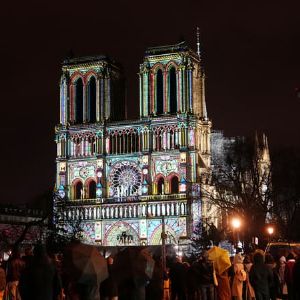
pixel 79 101
pixel 92 190
pixel 160 186
pixel 173 90
pixel 174 185
pixel 78 188
pixel 159 93
pixel 92 100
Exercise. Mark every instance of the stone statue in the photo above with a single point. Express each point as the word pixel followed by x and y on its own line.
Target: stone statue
pixel 82 195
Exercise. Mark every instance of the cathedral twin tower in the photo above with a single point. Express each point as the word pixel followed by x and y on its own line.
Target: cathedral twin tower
pixel 123 178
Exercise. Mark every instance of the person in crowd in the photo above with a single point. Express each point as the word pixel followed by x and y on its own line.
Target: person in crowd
pixel 238 278
pixel 193 291
pixel 296 278
pixel 223 287
pixel 109 287
pixel 275 286
pixel 14 268
pixel 40 280
pixel 28 256
pixel 154 290
pixel 177 276
pixel 280 273
pixel 248 291
pixel 2 282
pixel 289 269
pixel 260 277
pixel 205 277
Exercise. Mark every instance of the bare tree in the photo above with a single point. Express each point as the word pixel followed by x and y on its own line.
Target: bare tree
pixel 241 185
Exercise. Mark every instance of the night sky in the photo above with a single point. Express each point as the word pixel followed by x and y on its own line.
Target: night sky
pixel 251 53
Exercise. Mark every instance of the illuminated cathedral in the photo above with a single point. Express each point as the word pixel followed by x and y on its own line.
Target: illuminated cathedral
pixel 125 179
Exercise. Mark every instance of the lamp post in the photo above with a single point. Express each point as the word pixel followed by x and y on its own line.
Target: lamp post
pixel 270 231
pixel 236 224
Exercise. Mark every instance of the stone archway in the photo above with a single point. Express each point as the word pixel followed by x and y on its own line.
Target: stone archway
pixel 155 238
pixel 121 234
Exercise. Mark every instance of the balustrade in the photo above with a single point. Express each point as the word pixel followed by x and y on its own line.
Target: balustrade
pixel 126 210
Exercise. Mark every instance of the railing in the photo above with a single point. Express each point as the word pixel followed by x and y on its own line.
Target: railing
pixel 125 210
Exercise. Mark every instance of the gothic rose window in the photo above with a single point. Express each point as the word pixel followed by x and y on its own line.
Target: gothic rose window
pixel 125 180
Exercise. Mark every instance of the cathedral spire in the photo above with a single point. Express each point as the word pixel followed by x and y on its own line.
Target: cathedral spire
pixel 198 43
pixel 202 74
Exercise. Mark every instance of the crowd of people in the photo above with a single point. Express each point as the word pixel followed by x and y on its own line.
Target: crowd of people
pixel 255 276
pixel 38 275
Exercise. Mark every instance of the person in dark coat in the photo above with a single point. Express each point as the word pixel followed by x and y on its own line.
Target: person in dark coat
pixel 296 278
pixel 14 268
pixel 2 282
pixel 275 287
pixel 40 280
pixel 109 287
pixel 205 277
pixel 289 270
pixel 261 277
pixel 154 290
pixel 177 276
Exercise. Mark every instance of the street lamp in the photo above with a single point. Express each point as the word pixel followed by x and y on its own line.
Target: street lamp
pixel 270 231
pixel 236 224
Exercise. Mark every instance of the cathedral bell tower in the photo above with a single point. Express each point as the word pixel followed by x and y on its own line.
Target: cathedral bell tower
pixel 171 82
pixel 89 88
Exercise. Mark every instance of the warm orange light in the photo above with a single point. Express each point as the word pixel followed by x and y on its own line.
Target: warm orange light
pixel 236 223
pixel 270 230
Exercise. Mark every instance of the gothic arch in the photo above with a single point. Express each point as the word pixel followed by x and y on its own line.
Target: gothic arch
pixel 76 76
pixel 77 187
pixel 155 238
pixel 171 64
pixel 91 99
pixel 160 183
pixel 111 236
pixel 90 74
pixel 78 97
pixel 159 92
pixel 172 89
pixel 90 187
pixel 156 67
pixel 174 184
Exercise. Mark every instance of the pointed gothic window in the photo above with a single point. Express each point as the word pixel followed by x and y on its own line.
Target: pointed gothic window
pixel 173 90
pixel 174 185
pixel 92 190
pixel 92 100
pixel 78 190
pixel 159 93
pixel 79 101
pixel 160 186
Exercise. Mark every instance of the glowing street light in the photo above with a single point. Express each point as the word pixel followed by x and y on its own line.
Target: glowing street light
pixel 236 223
pixel 270 231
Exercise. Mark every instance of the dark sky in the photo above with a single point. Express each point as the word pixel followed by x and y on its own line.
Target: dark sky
pixel 251 52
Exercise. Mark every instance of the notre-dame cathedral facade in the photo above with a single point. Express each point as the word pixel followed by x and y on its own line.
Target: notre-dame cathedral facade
pixel 124 178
